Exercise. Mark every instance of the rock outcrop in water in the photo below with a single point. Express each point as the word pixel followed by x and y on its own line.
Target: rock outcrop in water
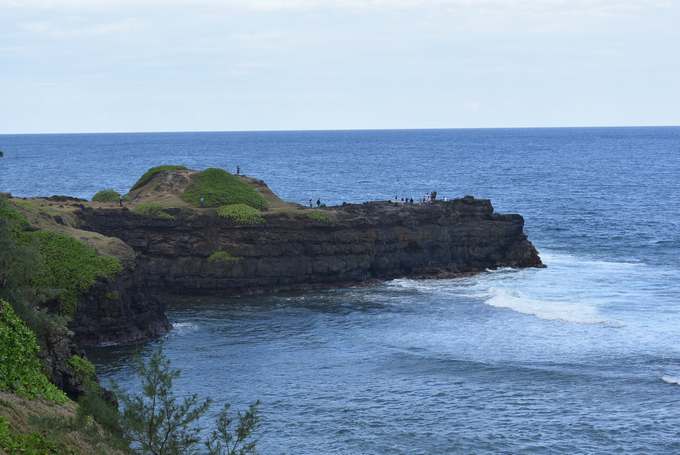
pixel 178 249
pixel 357 243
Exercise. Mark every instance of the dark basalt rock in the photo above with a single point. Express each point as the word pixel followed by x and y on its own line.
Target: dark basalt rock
pixel 377 240
pixel 119 311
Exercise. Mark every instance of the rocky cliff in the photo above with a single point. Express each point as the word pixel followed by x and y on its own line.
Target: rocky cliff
pixel 290 250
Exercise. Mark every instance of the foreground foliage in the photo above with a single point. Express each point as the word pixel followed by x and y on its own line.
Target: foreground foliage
pixel 148 175
pixel 217 187
pixel 30 443
pixel 157 422
pixel 240 214
pixel 20 368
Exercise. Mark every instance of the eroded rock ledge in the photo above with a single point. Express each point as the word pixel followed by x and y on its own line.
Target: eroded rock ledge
pixel 356 243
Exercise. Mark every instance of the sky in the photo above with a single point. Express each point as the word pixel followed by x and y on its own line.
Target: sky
pixel 232 65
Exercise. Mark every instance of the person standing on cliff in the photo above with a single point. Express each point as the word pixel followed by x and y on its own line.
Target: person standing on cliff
pixel 238 170
pixel 318 202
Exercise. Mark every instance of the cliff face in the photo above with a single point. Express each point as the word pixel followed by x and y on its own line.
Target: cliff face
pixel 119 311
pixel 358 242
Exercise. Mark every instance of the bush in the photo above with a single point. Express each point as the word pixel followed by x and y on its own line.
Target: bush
pixel 148 175
pixel 318 215
pixel 106 196
pixel 240 214
pixel 222 256
pixel 218 187
pixel 70 267
pixel 153 210
pixel 20 368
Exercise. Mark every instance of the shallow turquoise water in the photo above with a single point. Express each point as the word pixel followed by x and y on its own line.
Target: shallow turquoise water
pixel 581 357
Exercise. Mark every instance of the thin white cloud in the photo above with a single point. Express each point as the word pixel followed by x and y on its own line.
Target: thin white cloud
pixel 517 6
pixel 79 28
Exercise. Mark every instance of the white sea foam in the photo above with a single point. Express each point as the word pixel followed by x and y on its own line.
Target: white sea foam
pixel 572 289
pixel 567 311
pixel 675 380
pixel 182 328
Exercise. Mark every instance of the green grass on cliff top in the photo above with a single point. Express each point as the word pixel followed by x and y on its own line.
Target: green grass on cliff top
pixel 218 187
pixel 240 214
pixel 148 175
pixel 64 267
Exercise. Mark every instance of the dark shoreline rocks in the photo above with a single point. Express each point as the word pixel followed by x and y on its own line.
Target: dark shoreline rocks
pixel 358 243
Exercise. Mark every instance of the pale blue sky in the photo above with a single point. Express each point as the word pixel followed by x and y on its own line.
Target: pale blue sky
pixel 169 65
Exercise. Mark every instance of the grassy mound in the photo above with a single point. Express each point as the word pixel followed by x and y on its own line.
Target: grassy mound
pixel 218 187
pixel 107 195
pixel 240 214
pixel 222 256
pixel 20 367
pixel 148 175
pixel 153 210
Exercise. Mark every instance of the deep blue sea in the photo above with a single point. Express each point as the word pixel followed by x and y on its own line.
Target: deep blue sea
pixel 580 357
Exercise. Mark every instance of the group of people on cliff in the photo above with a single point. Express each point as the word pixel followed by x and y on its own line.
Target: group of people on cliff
pixel 427 198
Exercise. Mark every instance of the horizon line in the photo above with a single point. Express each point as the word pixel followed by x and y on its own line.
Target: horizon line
pixel 326 130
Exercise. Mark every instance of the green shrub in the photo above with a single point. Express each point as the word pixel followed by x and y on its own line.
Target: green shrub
pixel 12 217
pixel 70 267
pixel 241 214
pixel 82 368
pixel 148 175
pixel 222 256
pixel 218 187
pixel 153 210
pixel 318 215
pixel 112 295
pixel 108 195
pixel 20 368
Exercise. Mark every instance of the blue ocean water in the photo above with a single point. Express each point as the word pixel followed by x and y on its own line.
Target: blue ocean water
pixel 580 357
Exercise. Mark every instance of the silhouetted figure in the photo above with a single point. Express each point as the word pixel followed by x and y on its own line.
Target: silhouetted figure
pixel 238 170
pixel 318 202
pixel 310 204
pixel 411 200
pixel 120 200
pixel 433 196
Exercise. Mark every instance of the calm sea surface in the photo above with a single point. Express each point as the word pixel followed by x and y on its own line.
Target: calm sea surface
pixel 581 357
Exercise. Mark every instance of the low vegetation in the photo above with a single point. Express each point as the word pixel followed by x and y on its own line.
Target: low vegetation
pixel 70 267
pixel 222 256
pixel 152 210
pixel 240 214
pixel 20 368
pixel 107 195
pixel 148 175
pixel 52 265
pixel 318 215
pixel 33 443
pixel 217 187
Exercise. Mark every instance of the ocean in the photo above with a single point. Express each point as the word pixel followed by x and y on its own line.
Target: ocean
pixel 579 357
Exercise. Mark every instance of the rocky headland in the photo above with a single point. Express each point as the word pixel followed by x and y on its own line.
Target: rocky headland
pixel 179 236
